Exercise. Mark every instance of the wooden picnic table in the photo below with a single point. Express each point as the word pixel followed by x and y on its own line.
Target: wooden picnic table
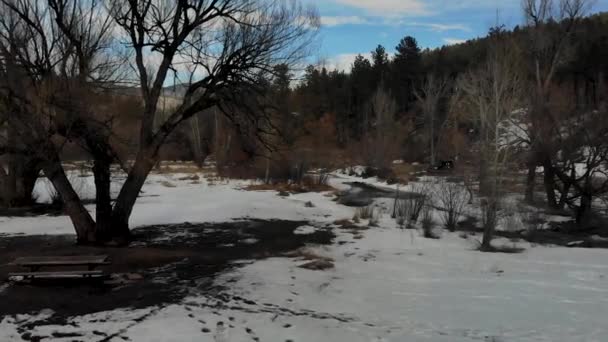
pixel 36 263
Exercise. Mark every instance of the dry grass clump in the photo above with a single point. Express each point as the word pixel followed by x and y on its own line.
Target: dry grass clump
pixel 307 254
pixel 167 184
pixel 190 178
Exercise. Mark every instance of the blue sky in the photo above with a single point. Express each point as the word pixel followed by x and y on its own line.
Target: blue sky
pixel 350 27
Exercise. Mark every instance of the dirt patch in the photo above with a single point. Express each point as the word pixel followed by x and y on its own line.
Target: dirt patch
pixel 165 264
pixel 566 234
pixel 318 265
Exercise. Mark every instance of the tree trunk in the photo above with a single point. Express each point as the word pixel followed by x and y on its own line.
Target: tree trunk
pixel 483 176
pixel 129 192
pixel 489 225
pixel 583 210
pixel 530 183
pixel 563 198
pixel 81 218
pixel 432 127
pixel 549 182
pixel 10 190
pixel 103 200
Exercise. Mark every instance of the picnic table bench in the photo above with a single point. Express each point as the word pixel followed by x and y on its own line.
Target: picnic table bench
pixel 36 263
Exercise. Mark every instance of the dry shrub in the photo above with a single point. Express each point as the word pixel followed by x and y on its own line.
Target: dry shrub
pixel 374 221
pixel 168 184
pixel 453 198
pixel 402 213
pixel 318 265
pixel 407 211
pixel 189 178
pixel 316 179
pixel 365 213
pixel 307 254
pixel 427 222
pixel 344 223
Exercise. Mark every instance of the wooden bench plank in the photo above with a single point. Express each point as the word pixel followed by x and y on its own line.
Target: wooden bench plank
pixel 62 261
pixel 58 275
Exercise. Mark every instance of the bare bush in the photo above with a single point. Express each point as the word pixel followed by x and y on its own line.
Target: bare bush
pixel 407 211
pixel 453 198
pixel 365 213
pixel 374 220
pixel 402 212
pixel 319 179
pixel 419 199
pixel 427 222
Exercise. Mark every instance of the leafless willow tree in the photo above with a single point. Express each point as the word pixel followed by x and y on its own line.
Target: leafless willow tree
pixel 61 58
pixel 429 96
pixel 217 47
pixel 551 23
pixel 493 92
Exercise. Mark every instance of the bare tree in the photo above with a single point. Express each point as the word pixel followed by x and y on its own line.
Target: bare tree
pixel 493 93
pixel 225 44
pixel 64 59
pixel 429 96
pixel 581 163
pixel 383 108
pixel 551 24
pixel 229 42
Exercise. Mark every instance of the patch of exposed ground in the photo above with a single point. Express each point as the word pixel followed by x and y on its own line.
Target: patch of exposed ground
pixel 165 264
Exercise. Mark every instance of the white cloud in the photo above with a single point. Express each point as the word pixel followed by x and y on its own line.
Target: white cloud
pixel 343 20
pixel 344 62
pixel 389 8
pixel 440 27
pixel 413 8
pixel 453 41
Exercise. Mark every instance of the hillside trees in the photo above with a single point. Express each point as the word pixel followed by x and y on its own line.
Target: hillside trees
pixel 406 69
pixel 430 95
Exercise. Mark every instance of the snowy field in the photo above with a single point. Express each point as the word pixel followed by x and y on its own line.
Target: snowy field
pixel 387 285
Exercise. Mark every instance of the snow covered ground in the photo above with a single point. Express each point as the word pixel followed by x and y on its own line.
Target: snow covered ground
pixel 389 285
pixel 175 198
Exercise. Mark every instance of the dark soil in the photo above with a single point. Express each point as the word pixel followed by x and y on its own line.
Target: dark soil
pixel 167 262
pixel 51 209
pixel 566 234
